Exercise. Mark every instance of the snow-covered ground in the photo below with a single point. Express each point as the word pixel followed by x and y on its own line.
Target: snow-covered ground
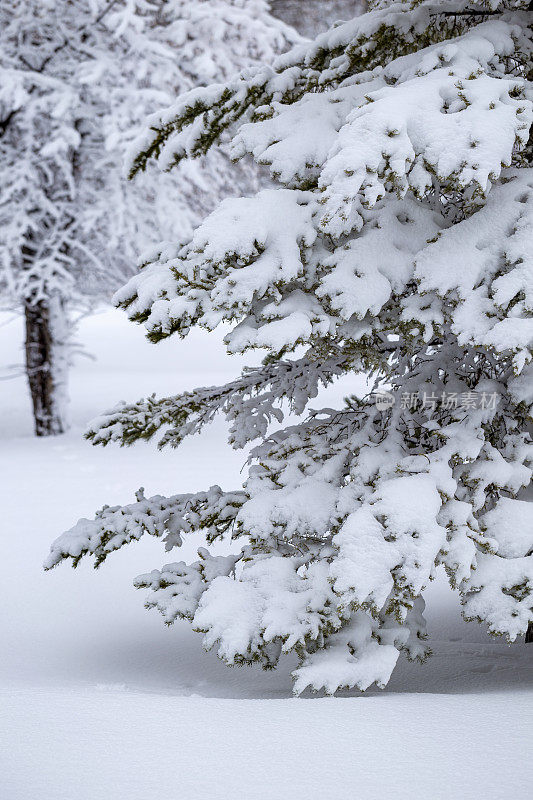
pixel 99 700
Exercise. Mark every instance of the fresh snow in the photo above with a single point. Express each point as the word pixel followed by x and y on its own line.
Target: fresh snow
pixel 99 699
pixel 102 743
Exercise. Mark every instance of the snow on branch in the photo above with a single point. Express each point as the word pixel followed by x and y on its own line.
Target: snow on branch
pixel 348 52
pixel 249 403
pixel 168 518
pixel 487 293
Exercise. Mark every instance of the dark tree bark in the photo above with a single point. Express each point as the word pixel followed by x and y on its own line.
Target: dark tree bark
pixel 529 633
pixel 46 363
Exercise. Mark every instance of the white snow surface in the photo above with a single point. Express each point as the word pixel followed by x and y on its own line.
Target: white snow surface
pixel 98 699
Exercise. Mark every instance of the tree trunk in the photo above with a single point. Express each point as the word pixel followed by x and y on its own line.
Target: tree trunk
pixel 529 633
pixel 47 363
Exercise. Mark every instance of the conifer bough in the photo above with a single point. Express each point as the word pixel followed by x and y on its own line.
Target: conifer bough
pixel 398 244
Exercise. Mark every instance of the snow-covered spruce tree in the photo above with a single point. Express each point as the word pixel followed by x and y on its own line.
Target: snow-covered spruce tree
pixel 76 77
pixel 399 243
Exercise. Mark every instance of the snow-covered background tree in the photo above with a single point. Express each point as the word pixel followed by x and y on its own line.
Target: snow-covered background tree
pixel 398 244
pixel 311 17
pixel 76 78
